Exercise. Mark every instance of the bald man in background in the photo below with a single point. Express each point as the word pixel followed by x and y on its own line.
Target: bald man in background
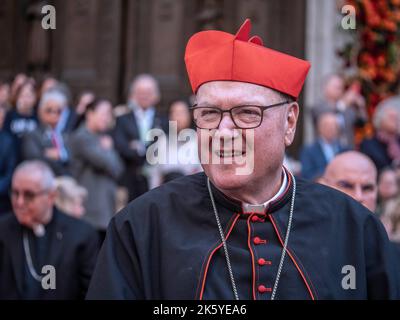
pixel 354 174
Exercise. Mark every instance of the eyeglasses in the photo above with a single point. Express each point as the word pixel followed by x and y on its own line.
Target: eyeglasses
pixel 28 195
pixel 53 111
pixel 244 117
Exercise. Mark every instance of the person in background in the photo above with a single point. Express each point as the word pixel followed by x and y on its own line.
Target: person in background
pixel 130 133
pixel 22 119
pixel 49 83
pixel 39 235
pixel 187 160
pixel 96 165
pixel 315 157
pixel 45 142
pixel 8 160
pixel 348 105
pixel 388 187
pixel 16 84
pixel 384 147
pixel 84 99
pixel 354 174
pixel 70 196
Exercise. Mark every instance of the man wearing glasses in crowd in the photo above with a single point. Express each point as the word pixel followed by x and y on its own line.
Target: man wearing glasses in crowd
pixel 44 254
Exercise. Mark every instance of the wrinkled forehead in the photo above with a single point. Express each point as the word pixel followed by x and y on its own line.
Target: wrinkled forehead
pixel 235 92
pixel 355 176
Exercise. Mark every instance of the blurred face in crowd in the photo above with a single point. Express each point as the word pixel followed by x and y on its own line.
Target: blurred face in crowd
pixel 275 132
pixel 100 119
pixel 26 99
pixel 180 113
pixel 85 99
pixel 144 93
pixel 354 174
pixel 390 121
pixel 32 202
pixel 388 186
pixel 48 83
pixel 4 93
pixel 328 127
pixel 334 88
pixel 50 113
pixel 19 80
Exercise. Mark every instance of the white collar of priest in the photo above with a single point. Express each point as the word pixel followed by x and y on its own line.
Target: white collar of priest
pixel 260 208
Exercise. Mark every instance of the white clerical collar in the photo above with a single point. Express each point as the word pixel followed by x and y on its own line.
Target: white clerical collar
pixel 247 207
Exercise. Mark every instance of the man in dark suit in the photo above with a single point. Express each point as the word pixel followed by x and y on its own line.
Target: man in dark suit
pixel 44 254
pixel 131 131
pixel 315 157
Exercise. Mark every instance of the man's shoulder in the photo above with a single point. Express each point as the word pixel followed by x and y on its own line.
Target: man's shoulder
pixel 180 192
pixel 76 226
pixel 329 202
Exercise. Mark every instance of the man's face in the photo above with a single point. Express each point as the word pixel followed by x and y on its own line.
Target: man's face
pixel 334 88
pixel 144 94
pixel 357 182
pixel 31 202
pixel 328 127
pixel 270 138
pixel 50 113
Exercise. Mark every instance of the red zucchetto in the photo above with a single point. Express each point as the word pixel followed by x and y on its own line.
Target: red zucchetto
pixel 216 55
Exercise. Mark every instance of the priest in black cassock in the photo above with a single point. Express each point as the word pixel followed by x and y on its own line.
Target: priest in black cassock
pixel 240 231
pixel 44 254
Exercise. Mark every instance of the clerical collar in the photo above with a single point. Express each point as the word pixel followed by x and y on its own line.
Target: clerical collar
pixel 261 208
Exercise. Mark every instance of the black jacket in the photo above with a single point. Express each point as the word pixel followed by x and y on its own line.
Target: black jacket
pixel 126 130
pixel 72 247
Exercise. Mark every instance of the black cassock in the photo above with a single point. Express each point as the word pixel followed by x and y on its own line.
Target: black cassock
pixel 69 245
pixel 166 245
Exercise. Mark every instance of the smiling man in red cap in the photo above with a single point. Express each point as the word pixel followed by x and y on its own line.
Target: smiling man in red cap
pixel 252 234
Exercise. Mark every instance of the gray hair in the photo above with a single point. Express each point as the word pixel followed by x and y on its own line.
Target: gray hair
pixel 145 77
pixel 382 107
pixel 47 178
pixel 53 95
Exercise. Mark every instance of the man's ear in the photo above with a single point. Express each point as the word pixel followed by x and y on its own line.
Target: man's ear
pixel 292 115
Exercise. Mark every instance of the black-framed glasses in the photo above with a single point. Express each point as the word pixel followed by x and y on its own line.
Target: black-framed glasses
pixel 28 195
pixel 244 117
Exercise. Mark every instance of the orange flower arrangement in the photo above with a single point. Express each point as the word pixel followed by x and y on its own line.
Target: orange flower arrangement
pixel 375 52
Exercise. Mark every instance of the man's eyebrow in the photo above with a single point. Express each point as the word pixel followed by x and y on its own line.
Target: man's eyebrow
pixel 344 183
pixel 368 185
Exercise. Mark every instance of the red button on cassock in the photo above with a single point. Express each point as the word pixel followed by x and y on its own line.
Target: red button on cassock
pixel 255 218
pixel 256 240
pixel 263 289
pixel 263 262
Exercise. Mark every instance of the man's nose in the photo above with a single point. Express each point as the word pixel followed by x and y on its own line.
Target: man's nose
pixel 358 194
pixel 227 128
pixel 20 199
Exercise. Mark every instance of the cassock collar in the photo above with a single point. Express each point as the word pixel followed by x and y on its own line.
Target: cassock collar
pixel 274 204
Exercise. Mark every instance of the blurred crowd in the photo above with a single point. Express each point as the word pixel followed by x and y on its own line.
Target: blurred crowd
pixel 97 151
